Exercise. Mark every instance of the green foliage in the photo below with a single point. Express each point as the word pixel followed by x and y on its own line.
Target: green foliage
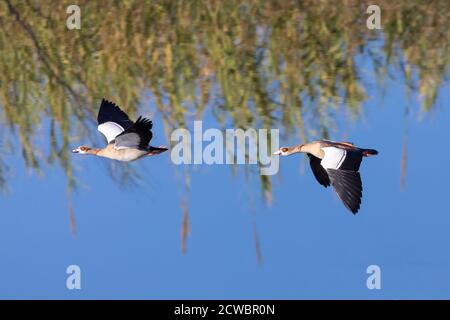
pixel 254 63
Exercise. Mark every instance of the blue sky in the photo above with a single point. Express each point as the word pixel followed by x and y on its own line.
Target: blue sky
pixel 128 241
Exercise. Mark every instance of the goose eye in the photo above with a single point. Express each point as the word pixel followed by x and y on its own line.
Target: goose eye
pixel 284 149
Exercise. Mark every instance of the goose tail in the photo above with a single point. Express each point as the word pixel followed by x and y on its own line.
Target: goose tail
pixel 156 150
pixel 369 152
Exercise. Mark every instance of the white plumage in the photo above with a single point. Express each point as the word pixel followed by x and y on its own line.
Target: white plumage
pixel 110 130
pixel 334 157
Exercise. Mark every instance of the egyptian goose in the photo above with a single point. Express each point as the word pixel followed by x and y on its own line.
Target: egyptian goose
pixel 127 140
pixel 335 163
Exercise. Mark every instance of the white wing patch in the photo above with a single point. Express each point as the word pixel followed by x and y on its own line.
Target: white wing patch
pixel 110 130
pixel 334 157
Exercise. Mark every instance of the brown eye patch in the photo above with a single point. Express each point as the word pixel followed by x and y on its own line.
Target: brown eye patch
pixel 284 149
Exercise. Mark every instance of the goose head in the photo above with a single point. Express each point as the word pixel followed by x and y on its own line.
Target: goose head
pixel 81 150
pixel 286 151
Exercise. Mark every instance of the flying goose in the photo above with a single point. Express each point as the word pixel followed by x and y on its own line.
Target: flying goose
pixel 127 140
pixel 335 163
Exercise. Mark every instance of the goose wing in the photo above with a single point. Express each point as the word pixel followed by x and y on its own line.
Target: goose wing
pixel 112 121
pixel 319 172
pixel 348 186
pixel 137 136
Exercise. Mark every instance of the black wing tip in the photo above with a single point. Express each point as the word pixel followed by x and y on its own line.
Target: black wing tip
pixel 355 210
pixel 352 206
pixel 325 184
pixel 144 121
pixel 106 101
pixel 348 186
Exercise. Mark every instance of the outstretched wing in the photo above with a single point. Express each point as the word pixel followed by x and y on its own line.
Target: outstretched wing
pixel 319 172
pixel 137 136
pixel 348 186
pixel 112 121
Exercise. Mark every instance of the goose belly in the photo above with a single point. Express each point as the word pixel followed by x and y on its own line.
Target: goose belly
pixel 126 155
pixel 333 158
pixel 131 154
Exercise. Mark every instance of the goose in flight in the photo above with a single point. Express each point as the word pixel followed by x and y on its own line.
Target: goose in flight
pixel 127 140
pixel 337 164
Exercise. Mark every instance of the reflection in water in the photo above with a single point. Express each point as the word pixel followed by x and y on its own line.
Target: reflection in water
pixel 250 63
